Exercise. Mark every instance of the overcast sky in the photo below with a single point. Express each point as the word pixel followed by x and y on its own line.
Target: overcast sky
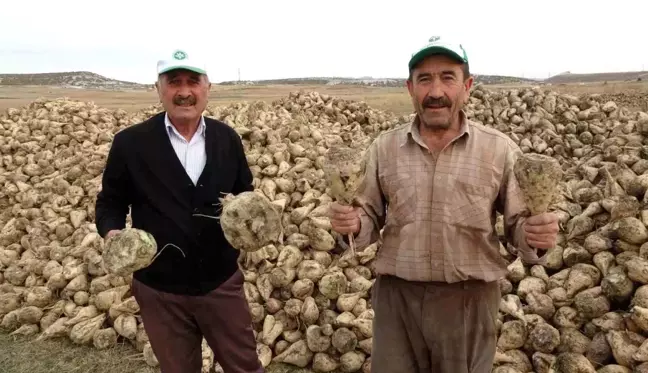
pixel 269 39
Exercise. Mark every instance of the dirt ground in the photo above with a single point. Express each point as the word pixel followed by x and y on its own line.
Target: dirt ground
pixel 24 355
pixel 19 355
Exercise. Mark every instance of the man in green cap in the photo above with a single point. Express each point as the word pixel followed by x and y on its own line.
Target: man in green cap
pixel 433 188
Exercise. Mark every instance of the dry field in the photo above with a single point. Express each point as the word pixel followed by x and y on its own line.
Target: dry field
pixel 19 354
pixel 394 99
pixel 390 98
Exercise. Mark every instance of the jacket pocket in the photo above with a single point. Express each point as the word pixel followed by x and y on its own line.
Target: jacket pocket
pixel 400 190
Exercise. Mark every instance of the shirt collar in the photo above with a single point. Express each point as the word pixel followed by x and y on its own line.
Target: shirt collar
pixel 169 126
pixel 414 134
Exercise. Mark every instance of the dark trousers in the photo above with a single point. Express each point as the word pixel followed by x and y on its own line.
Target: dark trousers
pixel 176 324
pixel 434 327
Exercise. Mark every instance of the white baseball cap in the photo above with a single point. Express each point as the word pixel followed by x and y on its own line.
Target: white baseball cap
pixel 180 59
pixel 439 45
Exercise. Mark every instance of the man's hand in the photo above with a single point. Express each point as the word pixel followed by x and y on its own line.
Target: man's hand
pixel 112 233
pixel 541 231
pixel 344 219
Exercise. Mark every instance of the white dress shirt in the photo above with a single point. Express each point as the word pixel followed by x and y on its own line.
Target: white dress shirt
pixel 192 153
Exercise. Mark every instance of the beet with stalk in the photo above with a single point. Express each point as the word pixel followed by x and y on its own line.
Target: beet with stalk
pixel 345 171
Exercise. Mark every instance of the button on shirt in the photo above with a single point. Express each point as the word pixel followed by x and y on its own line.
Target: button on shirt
pixel 192 153
pixel 438 212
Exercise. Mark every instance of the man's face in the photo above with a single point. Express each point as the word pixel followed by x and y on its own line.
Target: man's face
pixel 439 90
pixel 183 94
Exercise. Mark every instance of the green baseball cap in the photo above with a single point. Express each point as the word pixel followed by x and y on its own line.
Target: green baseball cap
pixel 437 45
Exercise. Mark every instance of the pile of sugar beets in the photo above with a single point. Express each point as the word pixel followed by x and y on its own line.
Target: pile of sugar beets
pixel 584 310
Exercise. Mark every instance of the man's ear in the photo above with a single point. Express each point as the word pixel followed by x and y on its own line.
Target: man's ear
pixel 410 86
pixel 469 83
pixel 468 86
pixel 158 90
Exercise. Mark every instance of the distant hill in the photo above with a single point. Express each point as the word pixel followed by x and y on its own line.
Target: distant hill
pixel 569 78
pixel 368 81
pixel 86 79
pixel 89 80
pixel 72 79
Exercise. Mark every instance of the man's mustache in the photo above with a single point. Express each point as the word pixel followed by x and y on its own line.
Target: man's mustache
pixel 432 102
pixel 190 100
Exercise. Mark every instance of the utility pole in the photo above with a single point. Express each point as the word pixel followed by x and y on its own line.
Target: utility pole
pixel 239 75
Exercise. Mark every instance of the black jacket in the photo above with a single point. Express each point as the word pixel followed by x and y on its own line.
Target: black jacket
pixel 142 171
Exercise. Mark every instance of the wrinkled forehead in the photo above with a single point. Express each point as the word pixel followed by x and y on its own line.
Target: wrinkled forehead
pixel 438 64
pixel 182 74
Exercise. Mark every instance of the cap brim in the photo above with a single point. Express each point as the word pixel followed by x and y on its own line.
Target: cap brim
pixel 183 67
pixel 434 50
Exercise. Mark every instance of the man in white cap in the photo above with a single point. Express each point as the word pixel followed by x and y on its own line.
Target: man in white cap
pixel 434 187
pixel 171 170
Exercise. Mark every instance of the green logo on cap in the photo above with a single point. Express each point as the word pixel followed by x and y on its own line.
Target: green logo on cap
pixel 179 55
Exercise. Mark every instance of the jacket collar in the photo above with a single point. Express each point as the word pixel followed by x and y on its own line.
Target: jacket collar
pixel 171 128
pixel 413 133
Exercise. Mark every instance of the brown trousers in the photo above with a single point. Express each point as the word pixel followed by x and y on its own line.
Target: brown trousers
pixel 176 324
pixel 434 327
